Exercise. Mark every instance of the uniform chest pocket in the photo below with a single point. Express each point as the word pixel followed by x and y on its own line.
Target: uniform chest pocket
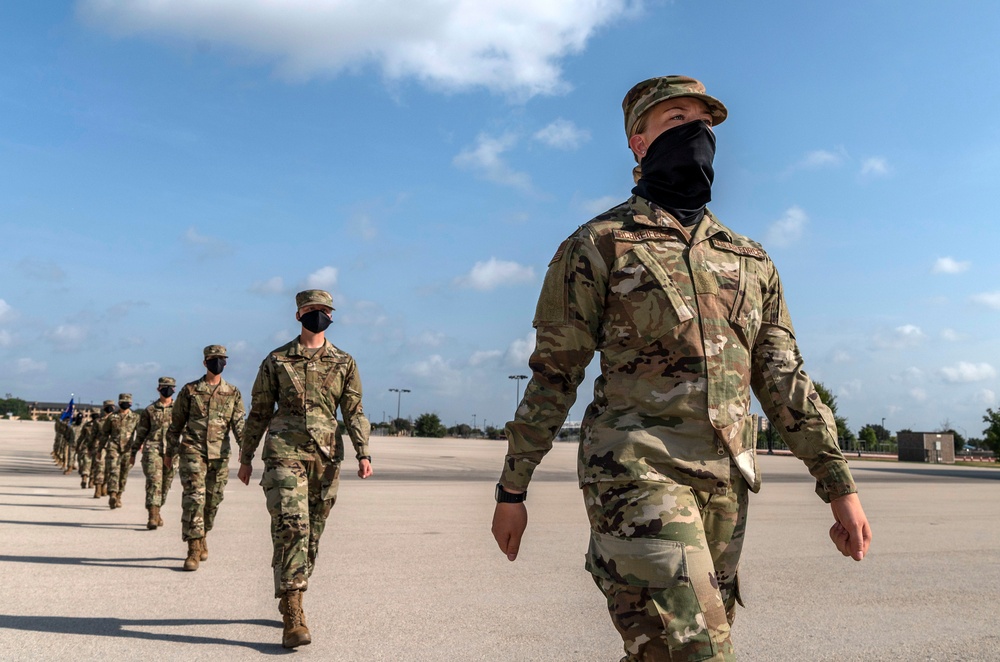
pixel 746 312
pixel 650 303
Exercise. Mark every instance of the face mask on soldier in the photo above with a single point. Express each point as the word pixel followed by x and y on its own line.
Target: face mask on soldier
pixel 315 321
pixel 677 170
pixel 216 365
pixel 109 409
pixel 166 391
pixel 125 405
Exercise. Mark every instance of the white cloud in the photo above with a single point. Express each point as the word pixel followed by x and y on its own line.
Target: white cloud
pixel 67 337
pixel 986 398
pixel 520 350
pixel 430 339
pixel 907 335
pixel 951 335
pixel 910 375
pixel 324 278
pixel 283 336
pixel 918 394
pixel 6 311
pixel 821 158
pixel 842 356
pixel 439 375
pixel 988 299
pixel 485 159
pixel 849 389
pixel 23 366
pixel 562 134
pixel 44 270
pixel 508 46
pixel 947 265
pixel 130 371
pixel 600 205
pixel 362 226
pixel 788 229
pixel 275 285
pixel 6 339
pixel 484 356
pixel 875 166
pixel 205 246
pixel 965 372
pixel 494 273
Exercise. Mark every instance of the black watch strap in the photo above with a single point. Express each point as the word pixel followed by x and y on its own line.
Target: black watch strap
pixel 503 496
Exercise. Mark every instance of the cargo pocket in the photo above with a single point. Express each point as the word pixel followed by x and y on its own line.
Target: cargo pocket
pixel 660 566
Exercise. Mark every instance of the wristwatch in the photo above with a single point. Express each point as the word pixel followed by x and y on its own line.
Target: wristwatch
pixel 503 496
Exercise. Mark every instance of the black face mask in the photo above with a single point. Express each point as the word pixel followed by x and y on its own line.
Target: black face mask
pixel 216 365
pixel 315 321
pixel 677 170
pixel 125 405
pixel 166 391
pixel 109 409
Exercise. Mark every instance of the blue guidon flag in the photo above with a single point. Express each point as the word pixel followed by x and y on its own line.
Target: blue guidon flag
pixel 68 414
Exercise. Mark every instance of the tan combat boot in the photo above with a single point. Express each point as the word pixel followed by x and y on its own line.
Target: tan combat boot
pixel 194 551
pixel 83 483
pixel 204 547
pixel 97 491
pixel 159 520
pixel 151 522
pixel 112 500
pixel 104 489
pixel 295 632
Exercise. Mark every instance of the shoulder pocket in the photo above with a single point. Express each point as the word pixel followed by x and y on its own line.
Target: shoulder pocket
pixel 553 301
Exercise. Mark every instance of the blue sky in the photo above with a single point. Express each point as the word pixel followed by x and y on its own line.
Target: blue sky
pixel 171 173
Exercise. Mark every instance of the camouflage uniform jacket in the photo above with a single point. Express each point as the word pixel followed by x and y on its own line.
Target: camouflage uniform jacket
pixel 118 428
pixel 151 432
pixel 307 389
pixel 686 326
pixel 205 415
pixel 92 432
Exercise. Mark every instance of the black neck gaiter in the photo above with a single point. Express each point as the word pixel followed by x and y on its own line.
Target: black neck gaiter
pixel 677 170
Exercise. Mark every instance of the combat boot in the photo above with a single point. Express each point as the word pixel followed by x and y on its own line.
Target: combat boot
pixel 295 632
pixel 204 547
pixel 67 471
pixel 194 551
pixel 159 520
pixel 113 500
pixel 83 483
pixel 151 522
pixel 97 491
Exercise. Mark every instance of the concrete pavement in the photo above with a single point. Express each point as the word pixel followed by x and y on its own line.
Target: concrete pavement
pixel 408 569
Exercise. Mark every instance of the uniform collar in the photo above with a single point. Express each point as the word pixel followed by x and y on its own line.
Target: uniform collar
pixel 295 349
pixel 647 213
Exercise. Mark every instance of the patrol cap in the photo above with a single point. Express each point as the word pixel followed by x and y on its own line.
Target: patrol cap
pixel 109 403
pixel 648 93
pixel 215 350
pixel 166 381
pixel 124 397
pixel 313 298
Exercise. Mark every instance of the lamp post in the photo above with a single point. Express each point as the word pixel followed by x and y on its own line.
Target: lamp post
pixel 517 380
pixel 399 396
pixel 474 422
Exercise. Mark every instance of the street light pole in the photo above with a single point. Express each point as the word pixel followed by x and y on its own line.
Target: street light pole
pixel 517 380
pixel 399 396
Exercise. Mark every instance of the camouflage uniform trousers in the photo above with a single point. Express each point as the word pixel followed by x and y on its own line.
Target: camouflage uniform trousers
pixel 83 460
pixel 97 467
pixel 115 469
pixel 299 495
pixel 204 482
pixel 665 556
pixel 159 477
pixel 68 455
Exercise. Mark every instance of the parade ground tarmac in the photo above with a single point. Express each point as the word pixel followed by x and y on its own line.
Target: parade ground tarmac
pixel 408 569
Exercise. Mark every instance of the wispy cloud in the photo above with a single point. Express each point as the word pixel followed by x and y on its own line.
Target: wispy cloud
pixel 988 299
pixel 951 335
pixel 7 312
pixel 968 372
pixel 67 337
pixel 520 350
pixel 986 398
pixel 918 394
pixel 203 245
pixel 6 338
pixel 562 134
pixel 324 278
pixel 788 229
pixel 949 265
pixel 485 159
pixel 27 365
pixel 132 371
pixel 820 158
pixel 362 225
pixel 508 47
pixel 484 356
pixel 599 205
pixel 875 166
pixel 274 285
pixel 495 273
pixel 901 337
pixel 42 270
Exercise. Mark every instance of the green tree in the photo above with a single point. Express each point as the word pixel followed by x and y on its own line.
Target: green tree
pixel 461 430
pixel 830 400
pixel 15 406
pixel 429 425
pixel 400 425
pixel 495 433
pixel 991 435
pixel 868 435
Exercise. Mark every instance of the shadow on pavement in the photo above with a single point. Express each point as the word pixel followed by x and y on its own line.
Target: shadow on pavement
pixel 100 563
pixel 51 505
pixel 118 627
pixel 81 525
pixel 933 474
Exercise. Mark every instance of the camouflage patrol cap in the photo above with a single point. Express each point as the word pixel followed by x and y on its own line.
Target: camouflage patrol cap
pixel 166 381
pixel 124 397
pixel 648 93
pixel 215 350
pixel 109 403
pixel 314 298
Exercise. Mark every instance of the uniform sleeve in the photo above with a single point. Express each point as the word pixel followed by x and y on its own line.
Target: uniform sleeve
pixel 263 398
pixel 567 325
pixel 141 432
pixel 790 400
pixel 178 419
pixel 105 434
pixel 237 422
pixel 355 420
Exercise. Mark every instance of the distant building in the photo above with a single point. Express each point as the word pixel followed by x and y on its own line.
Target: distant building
pixel 49 409
pixel 932 447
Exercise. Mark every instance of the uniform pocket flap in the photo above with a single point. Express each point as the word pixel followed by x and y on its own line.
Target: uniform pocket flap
pixel 286 482
pixel 645 562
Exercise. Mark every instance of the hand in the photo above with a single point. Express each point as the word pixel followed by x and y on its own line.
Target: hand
pixel 131 462
pixel 364 469
pixel 168 460
pixel 850 533
pixel 509 522
pixel 246 471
